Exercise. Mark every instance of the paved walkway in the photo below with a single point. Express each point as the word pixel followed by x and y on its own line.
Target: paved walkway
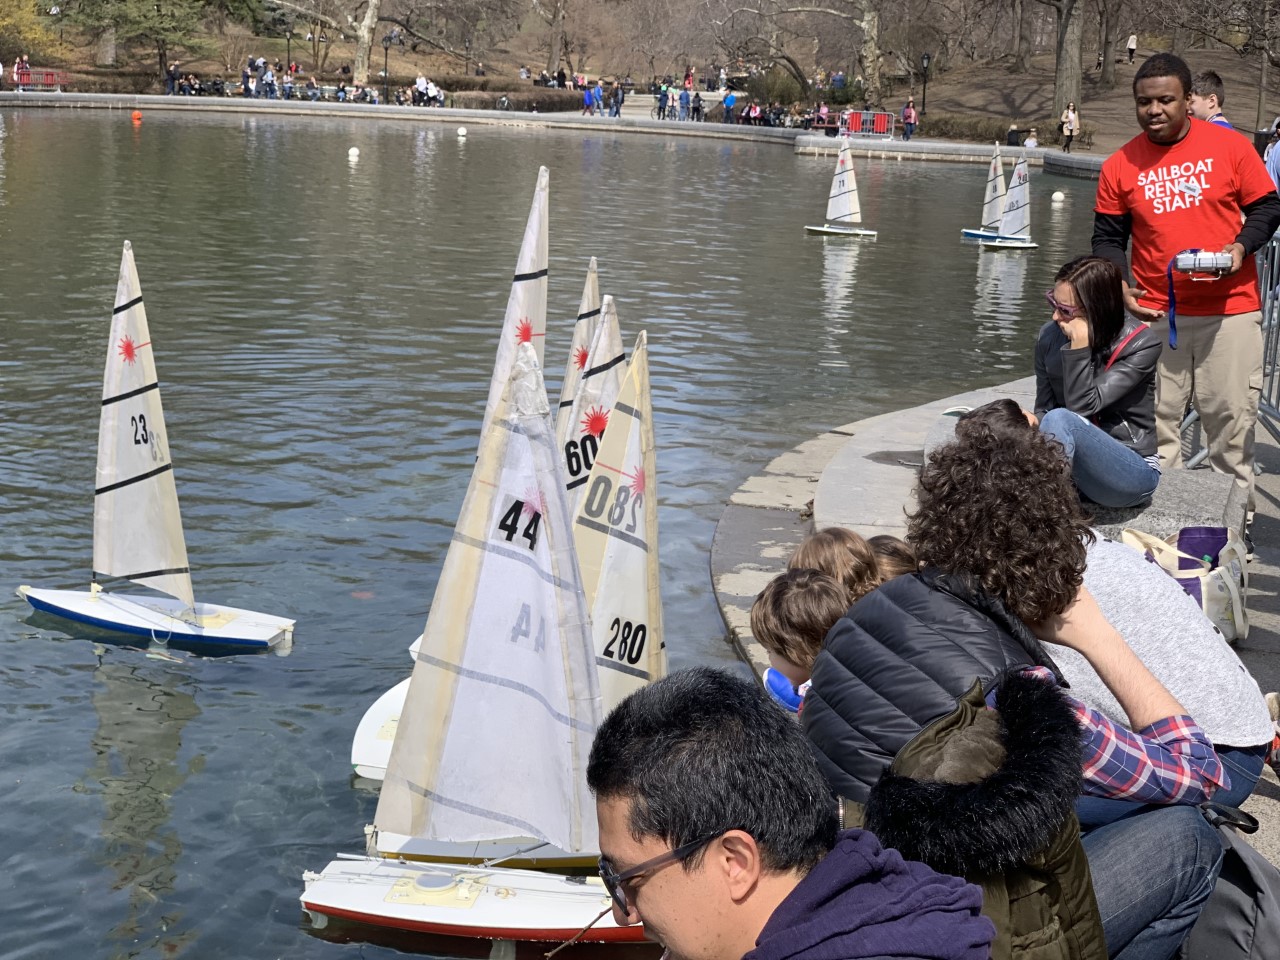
pixel 861 476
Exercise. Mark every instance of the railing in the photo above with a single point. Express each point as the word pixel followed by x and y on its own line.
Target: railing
pixel 42 80
pixel 1269 404
pixel 867 123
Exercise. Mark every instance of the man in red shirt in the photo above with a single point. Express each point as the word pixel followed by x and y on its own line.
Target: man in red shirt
pixel 1186 184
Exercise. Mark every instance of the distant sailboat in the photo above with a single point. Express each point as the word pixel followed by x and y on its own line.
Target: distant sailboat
pixel 1015 222
pixel 137 525
pixel 584 328
pixel 992 201
pixel 843 209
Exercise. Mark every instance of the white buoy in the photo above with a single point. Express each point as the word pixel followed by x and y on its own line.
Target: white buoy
pixel 1058 196
pixel 353 153
pixel 462 131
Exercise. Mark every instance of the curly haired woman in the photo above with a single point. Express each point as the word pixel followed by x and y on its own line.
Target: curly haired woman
pixel 1095 384
pixel 898 714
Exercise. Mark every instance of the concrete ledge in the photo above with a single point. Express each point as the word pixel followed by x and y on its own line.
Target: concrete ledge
pixel 917 149
pixel 569 120
pixel 1073 165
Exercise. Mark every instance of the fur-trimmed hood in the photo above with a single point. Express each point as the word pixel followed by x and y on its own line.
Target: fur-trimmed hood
pixel 982 792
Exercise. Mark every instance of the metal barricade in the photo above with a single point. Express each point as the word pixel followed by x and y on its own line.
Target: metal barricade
pixel 1269 404
pixel 868 123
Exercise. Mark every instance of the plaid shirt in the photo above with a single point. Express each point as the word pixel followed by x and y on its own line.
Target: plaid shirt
pixel 1171 761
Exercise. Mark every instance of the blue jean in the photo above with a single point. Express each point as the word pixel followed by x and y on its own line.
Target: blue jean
pixel 1243 764
pixel 1152 874
pixel 907 130
pixel 1104 469
pixel 728 115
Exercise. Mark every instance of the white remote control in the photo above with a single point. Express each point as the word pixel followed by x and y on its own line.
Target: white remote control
pixel 1202 261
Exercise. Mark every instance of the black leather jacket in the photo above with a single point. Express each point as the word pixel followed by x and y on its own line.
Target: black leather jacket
pixel 1121 400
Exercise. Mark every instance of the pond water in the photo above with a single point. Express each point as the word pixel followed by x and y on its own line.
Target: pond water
pixel 324 334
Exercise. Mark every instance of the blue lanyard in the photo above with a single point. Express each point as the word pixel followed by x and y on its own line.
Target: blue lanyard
pixel 1173 305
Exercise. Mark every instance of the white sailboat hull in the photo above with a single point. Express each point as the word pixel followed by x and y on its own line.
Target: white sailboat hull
pixel 837 230
pixel 463 901
pixel 979 234
pixel 160 618
pixel 1009 243
pixel 371 748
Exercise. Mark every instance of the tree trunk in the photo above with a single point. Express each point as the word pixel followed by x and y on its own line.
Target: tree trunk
pixel 1022 10
pixel 1179 42
pixel 104 47
pixel 1110 41
pixel 870 24
pixel 1066 72
pixel 364 42
pixel 162 58
pixel 555 40
pixel 1260 122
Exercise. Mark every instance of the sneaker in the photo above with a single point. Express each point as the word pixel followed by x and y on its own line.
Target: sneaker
pixel 1249 555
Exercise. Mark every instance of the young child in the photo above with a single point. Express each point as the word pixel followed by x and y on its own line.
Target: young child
pixel 842 555
pixel 790 619
pixel 894 557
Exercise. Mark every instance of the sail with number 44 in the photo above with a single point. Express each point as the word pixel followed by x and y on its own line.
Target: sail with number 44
pixel 616 530
pixel 503 702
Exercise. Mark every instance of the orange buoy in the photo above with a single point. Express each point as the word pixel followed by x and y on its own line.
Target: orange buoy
pixel 137 116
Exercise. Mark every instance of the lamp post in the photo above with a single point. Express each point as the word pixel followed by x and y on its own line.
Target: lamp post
pixel 925 60
pixel 288 50
pixel 466 64
pixel 386 77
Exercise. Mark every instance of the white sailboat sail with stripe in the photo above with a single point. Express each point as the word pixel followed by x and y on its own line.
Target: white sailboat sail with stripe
pixel 597 390
pixel 504 701
pixel 1015 223
pixel 137 524
pixel 616 530
pixel 584 329
pixel 525 320
pixel 993 201
pixel 843 206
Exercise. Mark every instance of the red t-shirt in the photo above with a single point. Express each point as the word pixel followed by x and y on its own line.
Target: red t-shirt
pixel 1183 196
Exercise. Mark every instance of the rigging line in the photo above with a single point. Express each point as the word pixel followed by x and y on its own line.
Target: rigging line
pixel 515 853
pixel 580 934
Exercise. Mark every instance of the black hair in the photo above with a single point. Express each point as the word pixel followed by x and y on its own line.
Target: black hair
pixel 1164 65
pixel 1099 289
pixel 702 751
pixel 1207 83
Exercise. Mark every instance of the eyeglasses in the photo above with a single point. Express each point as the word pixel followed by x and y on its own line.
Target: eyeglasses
pixel 613 880
pixel 1067 311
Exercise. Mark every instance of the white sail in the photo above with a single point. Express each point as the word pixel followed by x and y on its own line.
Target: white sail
pixel 526 317
pixel 616 530
pixel 842 203
pixel 583 330
pixel 993 201
pixel 137 526
pixel 597 390
pixel 1016 221
pixel 504 701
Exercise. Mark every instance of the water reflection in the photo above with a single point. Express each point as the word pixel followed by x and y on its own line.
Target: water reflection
pixel 142 709
pixel 839 275
pixel 999 293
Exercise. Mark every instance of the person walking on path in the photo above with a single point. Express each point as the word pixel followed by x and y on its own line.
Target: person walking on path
pixel 909 119
pixel 1181 184
pixel 1132 45
pixel 1069 124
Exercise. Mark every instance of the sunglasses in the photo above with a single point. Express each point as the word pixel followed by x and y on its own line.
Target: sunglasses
pixel 1067 311
pixel 613 880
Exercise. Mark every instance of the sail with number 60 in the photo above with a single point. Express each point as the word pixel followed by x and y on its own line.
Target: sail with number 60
pixel 616 529
pixel 584 329
pixel 503 702
pixel 597 389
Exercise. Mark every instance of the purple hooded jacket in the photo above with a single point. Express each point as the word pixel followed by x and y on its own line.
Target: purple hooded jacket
pixel 863 902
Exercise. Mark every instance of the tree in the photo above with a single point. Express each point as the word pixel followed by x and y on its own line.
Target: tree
pixel 21 29
pixel 161 24
pixel 1067 53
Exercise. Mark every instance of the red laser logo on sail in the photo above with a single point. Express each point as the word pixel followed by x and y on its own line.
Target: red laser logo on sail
pixel 524 331
pixel 595 421
pixel 129 350
pixel 636 481
pixel 534 502
pixel 580 358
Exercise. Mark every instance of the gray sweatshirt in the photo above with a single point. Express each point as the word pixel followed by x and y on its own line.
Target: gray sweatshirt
pixel 1170 634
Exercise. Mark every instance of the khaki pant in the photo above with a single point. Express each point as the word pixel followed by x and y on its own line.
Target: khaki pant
pixel 1218 369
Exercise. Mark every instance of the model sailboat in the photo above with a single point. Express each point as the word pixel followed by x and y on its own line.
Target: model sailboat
pixel 502 707
pixel 584 329
pixel 137 526
pixel 597 389
pixel 843 209
pixel 992 202
pixel 1015 222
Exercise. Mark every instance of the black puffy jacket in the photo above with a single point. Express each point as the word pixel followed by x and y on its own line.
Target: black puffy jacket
pixel 899 660
pixel 1121 399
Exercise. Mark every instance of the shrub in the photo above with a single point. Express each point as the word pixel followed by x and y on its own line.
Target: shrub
pixel 973 129
pixel 546 100
pixel 774 84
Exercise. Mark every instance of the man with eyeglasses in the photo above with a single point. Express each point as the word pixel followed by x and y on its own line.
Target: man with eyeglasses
pixel 719 834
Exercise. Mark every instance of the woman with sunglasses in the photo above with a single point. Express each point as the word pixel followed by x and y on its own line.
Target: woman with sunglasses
pixel 1095 385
